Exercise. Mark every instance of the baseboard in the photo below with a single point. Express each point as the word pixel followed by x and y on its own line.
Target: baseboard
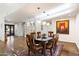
pixel 67 42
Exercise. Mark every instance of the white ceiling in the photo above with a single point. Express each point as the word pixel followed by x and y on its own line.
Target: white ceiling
pixel 6 8
pixel 21 12
pixel 29 11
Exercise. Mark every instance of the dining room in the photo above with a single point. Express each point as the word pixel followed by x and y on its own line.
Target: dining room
pixel 40 29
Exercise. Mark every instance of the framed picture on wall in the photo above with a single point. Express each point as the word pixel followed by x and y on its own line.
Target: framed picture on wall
pixel 62 27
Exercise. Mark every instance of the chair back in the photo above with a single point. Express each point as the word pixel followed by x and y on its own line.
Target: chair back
pixel 50 34
pixel 28 40
pixel 50 43
pixel 38 34
pixel 32 45
pixel 33 35
pixel 56 37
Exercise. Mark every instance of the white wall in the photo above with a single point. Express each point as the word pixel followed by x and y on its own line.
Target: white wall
pixel 2 29
pixel 73 35
pixel 28 28
pixel 77 31
pixel 66 37
pixel 19 29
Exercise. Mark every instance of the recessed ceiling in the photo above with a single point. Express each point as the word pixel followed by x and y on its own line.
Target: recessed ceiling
pixel 8 8
pixel 30 10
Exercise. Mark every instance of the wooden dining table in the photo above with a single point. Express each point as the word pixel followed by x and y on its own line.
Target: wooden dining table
pixel 44 41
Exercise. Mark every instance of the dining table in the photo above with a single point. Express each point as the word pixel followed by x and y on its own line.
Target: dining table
pixel 44 41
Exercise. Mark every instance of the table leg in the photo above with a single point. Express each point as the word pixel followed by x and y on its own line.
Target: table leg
pixel 44 48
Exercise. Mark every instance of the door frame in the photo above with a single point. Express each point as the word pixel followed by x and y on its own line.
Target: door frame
pixel 10 29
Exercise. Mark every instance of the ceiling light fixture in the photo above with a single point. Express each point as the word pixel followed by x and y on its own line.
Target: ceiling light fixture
pixel 44 12
pixel 69 15
pixel 57 14
pixel 38 21
pixel 38 8
pixel 60 10
pixel 44 23
pixel 28 23
pixel 47 14
pixel 48 24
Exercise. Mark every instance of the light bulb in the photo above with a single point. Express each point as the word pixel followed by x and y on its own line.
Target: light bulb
pixel 48 24
pixel 44 23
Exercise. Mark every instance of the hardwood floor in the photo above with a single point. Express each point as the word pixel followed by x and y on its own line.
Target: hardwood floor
pixel 69 49
pixel 2 48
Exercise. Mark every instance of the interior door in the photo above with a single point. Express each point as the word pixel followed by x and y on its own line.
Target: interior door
pixel 9 30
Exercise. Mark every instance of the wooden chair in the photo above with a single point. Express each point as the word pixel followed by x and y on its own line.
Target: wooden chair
pixel 56 37
pixel 49 45
pixel 33 34
pixel 28 43
pixel 52 44
pixel 50 34
pixel 38 34
pixel 32 46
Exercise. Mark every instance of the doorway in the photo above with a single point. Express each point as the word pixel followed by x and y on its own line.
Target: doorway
pixel 9 30
pixel 9 35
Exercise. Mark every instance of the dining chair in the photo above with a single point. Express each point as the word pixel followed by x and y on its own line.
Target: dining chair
pixel 50 34
pixel 38 34
pixel 49 45
pixel 28 43
pixel 33 34
pixel 52 44
pixel 56 37
pixel 35 48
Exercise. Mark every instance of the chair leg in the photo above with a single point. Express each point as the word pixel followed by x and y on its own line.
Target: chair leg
pixel 42 51
pixel 51 52
pixel 54 49
pixel 28 51
pixel 34 52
